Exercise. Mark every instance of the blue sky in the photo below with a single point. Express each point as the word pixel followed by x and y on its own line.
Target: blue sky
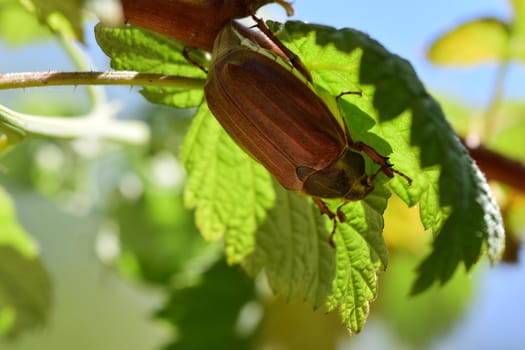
pixel 407 27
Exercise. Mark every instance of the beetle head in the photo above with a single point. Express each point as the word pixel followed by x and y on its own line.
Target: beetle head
pixel 345 178
pixel 359 188
pixel 359 184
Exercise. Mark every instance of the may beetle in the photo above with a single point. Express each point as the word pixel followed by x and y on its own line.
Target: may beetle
pixel 274 115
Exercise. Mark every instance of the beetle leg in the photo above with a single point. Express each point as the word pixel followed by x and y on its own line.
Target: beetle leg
pixel 286 53
pixel 371 178
pixel 186 54
pixel 338 101
pixel 360 146
pixel 382 161
pixel 340 215
pixel 342 218
pixel 403 175
pixel 331 237
pixel 325 210
pixel 338 97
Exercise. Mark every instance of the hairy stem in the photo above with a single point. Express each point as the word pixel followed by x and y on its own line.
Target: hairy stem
pixel 98 122
pixel 52 78
pixel 82 62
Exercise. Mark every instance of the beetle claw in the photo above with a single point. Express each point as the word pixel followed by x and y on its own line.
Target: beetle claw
pixel 382 161
pixel 408 179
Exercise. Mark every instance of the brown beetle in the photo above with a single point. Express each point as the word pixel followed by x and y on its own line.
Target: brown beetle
pixel 274 115
pixel 194 22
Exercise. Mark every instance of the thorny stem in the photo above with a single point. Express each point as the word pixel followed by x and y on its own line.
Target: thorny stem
pixel 98 122
pixel 51 78
pixel 81 61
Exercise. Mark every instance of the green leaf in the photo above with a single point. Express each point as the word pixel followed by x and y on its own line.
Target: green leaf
pixel 293 250
pixel 140 50
pixel 236 198
pixel 213 304
pixel 454 198
pixel 361 252
pixel 231 192
pixel 24 284
pixel 60 16
pixel 474 42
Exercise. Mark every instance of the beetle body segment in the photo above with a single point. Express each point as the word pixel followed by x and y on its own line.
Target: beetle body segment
pixel 281 122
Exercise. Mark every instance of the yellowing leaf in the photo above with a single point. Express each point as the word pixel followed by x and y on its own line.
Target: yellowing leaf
pixel 475 42
pixel 518 30
pixel 519 16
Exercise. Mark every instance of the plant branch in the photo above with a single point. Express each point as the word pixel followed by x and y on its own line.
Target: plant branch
pixel 82 62
pixel 16 126
pixel 498 167
pixel 52 78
